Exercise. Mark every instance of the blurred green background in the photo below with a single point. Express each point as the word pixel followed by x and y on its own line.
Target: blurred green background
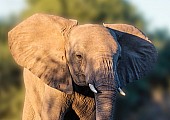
pixel 146 99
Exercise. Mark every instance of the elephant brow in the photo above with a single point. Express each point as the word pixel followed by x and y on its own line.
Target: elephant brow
pixel 104 56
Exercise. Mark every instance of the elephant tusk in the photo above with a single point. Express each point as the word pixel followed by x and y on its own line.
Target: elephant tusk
pixel 92 88
pixel 121 91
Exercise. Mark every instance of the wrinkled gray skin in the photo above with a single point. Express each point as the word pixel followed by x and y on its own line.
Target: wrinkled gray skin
pixel 61 58
pixel 92 52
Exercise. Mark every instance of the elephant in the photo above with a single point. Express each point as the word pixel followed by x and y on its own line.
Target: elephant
pixel 71 68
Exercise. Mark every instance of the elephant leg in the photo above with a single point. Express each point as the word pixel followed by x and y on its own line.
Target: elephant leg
pixel 33 96
pixel 47 102
pixel 28 111
pixel 84 107
pixel 55 104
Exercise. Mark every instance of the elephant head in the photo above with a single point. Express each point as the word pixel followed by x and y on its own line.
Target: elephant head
pixel 105 57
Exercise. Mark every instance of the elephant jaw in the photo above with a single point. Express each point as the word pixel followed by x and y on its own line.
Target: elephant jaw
pixel 93 89
pixel 104 75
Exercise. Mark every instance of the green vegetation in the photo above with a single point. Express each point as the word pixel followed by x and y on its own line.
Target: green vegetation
pixel 140 102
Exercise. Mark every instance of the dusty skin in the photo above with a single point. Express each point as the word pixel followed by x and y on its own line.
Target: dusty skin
pixel 61 59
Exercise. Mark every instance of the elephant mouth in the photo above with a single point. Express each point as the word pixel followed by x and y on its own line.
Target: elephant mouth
pixel 80 79
pixel 105 77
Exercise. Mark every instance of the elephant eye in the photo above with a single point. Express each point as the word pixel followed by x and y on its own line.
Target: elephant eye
pixel 78 56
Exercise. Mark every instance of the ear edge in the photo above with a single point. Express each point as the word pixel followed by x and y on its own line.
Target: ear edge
pixel 128 29
pixel 150 50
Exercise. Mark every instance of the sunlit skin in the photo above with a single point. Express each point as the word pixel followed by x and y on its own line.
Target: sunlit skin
pixel 80 68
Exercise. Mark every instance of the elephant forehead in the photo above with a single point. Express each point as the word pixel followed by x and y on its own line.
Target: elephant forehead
pixel 92 37
pixel 88 31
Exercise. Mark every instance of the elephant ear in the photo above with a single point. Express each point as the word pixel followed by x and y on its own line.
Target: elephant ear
pixel 138 54
pixel 38 45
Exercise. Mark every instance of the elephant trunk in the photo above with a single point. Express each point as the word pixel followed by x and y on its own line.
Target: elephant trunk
pixel 105 105
pixel 105 82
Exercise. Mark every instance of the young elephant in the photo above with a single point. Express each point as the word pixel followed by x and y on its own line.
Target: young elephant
pixel 62 61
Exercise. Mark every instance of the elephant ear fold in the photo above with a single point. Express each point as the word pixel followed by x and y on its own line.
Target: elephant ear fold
pixel 38 45
pixel 138 54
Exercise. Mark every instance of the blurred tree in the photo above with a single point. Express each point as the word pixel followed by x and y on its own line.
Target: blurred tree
pixel 161 37
pixel 85 11
pixel 11 93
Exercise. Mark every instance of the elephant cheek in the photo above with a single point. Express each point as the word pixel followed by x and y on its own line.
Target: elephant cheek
pixel 105 105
